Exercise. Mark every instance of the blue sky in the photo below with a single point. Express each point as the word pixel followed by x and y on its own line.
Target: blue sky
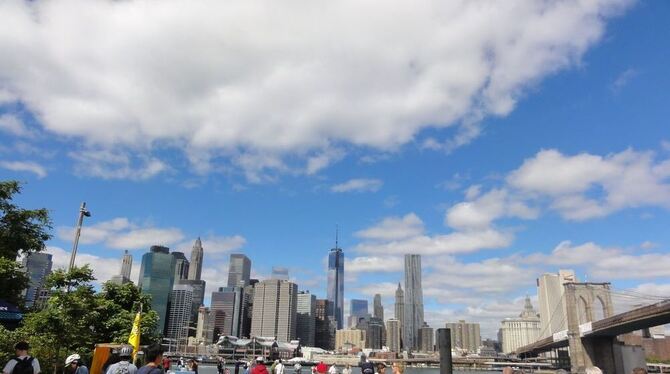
pixel 498 141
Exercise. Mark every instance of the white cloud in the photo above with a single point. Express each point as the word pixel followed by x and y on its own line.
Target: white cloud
pixel 358 185
pixel 214 245
pixel 103 268
pixel 373 264
pixel 480 211
pixel 108 164
pixel 394 228
pixel 623 79
pixel 281 79
pixel 14 125
pixel 29 166
pixel 323 160
pixel 120 233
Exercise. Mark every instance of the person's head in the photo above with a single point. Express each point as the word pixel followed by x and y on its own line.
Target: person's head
pixel 259 360
pixel 593 370
pixel 21 348
pixel 639 371
pixel 73 360
pixel 153 353
pixel 125 351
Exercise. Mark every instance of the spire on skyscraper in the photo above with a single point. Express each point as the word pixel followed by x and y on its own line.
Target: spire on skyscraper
pixel 195 268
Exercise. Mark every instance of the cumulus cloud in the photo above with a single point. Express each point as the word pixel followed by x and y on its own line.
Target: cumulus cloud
pixel 358 185
pixel 121 233
pixel 373 264
pixel 108 164
pixel 393 228
pixel 12 124
pixel 480 211
pixel 29 166
pixel 220 79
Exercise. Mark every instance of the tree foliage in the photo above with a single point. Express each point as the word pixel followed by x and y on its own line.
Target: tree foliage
pixel 21 230
pixel 13 280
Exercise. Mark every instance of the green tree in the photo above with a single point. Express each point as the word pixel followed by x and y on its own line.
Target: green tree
pixel 21 230
pixel 13 281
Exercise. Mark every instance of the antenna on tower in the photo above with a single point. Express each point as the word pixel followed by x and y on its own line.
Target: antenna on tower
pixel 337 234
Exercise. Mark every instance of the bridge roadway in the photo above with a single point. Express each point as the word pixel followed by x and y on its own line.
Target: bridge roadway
pixel 636 319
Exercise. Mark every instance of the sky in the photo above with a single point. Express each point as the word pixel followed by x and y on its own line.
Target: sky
pixel 499 140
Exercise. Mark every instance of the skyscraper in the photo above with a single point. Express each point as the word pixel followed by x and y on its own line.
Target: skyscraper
pixel 229 300
pixel 181 265
pixel 195 268
pixel 413 301
pixel 393 335
pixel 204 332
pixel 275 306
pixel 239 269
pixel 126 264
pixel 325 325
pixel 157 280
pixel 378 307
pixel 181 300
pixel 198 286
pixel 465 336
pixel 37 266
pixel 400 310
pixel 306 319
pixel 551 303
pixel 336 284
pixel 279 273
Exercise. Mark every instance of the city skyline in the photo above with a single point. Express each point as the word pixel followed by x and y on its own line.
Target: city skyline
pixel 498 157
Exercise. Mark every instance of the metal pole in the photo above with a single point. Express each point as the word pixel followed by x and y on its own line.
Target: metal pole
pixel 444 341
pixel 82 212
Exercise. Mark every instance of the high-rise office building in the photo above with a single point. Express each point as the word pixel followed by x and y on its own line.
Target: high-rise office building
pixel 378 308
pixel 413 318
pixel 279 273
pixel 465 336
pixel 230 301
pixel 426 338
pixel 126 264
pixel 180 266
pixel 198 286
pixel 275 305
pixel 181 300
pixel 249 291
pixel 393 335
pixel 551 303
pixel 239 270
pixel 306 320
pixel 195 267
pixel 358 307
pixel 374 331
pixel 204 332
pixel 325 325
pixel 521 331
pixel 37 266
pixel 336 284
pixel 399 307
pixel 157 280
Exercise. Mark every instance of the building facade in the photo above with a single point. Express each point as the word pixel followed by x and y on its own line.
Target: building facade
pixel 378 308
pixel 37 266
pixel 195 267
pixel 157 280
pixel 239 270
pixel 179 316
pixel 358 308
pixel 335 292
pixel 180 266
pixel 229 301
pixel 413 318
pixel 126 264
pixel 374 331
pixel 275 310
pixel 399 309
pixel 521 331
pixel 393 335
pixel 345 340
pixel 325 325
pixel 426 338
pixel 198 286
pixel 465 336
pixel 306 320
pixel 551 303
pixel 204 332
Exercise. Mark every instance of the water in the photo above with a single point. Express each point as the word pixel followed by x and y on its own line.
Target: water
pixel 210 369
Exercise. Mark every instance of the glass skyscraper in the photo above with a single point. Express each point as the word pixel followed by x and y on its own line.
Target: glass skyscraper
pixel 239 270
pixel 38 266
pixel 336 284
pixel 157 279
pixel 413 302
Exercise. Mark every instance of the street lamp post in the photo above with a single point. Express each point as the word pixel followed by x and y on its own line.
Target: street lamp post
pixel 82 212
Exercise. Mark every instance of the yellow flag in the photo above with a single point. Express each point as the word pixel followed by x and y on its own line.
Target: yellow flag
pixel 134 338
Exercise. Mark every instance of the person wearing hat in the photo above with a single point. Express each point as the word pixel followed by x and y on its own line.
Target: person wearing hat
pixel 124 366
pixel 75 364
pixel 259 368
pixel 23 363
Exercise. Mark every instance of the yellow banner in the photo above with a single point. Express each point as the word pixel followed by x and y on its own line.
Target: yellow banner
pixel 134 338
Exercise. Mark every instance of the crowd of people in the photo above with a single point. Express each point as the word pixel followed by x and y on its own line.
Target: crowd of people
pixel 156 363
